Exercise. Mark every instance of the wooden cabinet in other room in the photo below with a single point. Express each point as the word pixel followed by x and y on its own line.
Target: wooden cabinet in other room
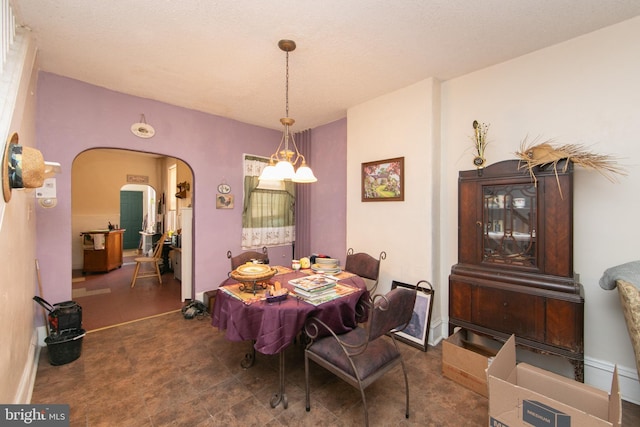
pixel 104 259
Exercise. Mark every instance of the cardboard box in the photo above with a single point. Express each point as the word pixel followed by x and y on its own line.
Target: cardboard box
pixel 524 395
pixel 465 362
pixel 210 299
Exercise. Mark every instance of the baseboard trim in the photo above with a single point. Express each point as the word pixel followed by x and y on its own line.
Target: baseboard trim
pixel 28 379
pixel 599 373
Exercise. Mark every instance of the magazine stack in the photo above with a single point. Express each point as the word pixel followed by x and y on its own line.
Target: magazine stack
pixel 315 289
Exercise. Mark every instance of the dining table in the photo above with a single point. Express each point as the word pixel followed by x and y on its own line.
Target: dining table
pixel 271 326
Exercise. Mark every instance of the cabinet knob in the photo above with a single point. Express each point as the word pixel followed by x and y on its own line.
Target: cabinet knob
pixel 478 224
pixel 504 304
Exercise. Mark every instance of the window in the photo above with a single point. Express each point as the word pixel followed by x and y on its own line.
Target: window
pixel 268 216
pixel 270 208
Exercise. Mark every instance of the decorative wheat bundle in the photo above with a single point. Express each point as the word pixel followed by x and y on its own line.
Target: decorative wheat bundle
pixel 532 155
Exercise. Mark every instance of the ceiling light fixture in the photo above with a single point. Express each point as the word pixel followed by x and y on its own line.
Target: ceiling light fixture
pixel 282 162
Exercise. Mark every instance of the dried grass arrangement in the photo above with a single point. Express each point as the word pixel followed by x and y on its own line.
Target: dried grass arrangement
pixel 534 154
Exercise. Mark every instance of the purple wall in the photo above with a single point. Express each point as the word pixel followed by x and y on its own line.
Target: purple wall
pixel 73 117
pixel 329 196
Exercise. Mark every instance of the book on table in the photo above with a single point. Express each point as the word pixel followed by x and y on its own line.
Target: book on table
pixel 315 282
pixel 321 300
pixel 316 294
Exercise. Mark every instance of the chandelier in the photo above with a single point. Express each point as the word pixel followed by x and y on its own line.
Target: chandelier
pixel 283 161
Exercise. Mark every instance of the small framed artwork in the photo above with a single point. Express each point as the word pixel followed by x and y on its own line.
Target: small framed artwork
pixel 416 333
pixel 383 180
pixel 224 201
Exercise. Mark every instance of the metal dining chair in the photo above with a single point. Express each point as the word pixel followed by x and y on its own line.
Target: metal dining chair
pixel 244 257
pixel 366 266
pixel 363 355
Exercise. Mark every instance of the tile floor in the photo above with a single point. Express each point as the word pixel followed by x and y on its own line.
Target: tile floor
pixel 168 370
pixel 171 371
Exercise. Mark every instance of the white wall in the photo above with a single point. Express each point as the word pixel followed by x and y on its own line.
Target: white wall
pixel 399 124
pixel 584 91
pixel 19 350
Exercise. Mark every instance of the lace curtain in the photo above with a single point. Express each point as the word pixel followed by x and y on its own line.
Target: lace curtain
pixel 268 216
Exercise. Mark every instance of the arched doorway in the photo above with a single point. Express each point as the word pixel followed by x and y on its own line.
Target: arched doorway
pixel 99 178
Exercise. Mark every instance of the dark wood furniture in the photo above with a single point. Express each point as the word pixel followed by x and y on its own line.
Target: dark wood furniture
pixel 102 260
pixel 515 259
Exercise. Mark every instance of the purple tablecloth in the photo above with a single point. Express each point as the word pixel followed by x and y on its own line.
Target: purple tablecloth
pixel 274 326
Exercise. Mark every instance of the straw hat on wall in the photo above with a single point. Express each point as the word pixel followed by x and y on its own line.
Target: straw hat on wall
pixel 22 167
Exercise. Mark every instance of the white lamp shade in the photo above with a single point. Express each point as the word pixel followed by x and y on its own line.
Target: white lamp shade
pixel 285 170
pixel 304 174
pixel 269 173
pixel 271 184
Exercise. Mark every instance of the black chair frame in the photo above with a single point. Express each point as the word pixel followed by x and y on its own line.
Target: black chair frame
pixel 366 266
pixel 354 345
pixel 244 257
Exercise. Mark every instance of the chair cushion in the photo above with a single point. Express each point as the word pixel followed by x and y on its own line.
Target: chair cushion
pixel 377 354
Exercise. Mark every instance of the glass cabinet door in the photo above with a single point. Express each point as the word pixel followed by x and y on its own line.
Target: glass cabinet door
pixel 509 217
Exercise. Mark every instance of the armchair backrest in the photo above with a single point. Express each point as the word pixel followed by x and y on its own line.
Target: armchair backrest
pixel 391 311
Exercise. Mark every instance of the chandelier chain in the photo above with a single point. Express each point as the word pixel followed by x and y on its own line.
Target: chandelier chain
pixel 287 87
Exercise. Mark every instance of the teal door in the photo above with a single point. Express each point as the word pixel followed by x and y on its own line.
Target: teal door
pixel 131 218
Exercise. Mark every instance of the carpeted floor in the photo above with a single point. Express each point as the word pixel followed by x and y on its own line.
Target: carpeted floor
pixel 108 299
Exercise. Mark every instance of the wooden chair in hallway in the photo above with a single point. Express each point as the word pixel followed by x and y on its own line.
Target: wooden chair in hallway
pixel 154 260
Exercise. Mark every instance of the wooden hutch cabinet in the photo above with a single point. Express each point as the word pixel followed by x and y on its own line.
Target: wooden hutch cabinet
pixel 515 259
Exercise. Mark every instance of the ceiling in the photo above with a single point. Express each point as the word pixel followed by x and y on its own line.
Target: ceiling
pixel 221 57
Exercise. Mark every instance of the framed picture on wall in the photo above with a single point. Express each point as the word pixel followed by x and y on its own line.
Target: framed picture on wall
pixel 416 333
pixel 383 180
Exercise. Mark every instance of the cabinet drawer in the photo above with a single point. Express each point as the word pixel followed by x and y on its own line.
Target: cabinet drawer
pixel 460 300
pixel 509 312
pixel 564 324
